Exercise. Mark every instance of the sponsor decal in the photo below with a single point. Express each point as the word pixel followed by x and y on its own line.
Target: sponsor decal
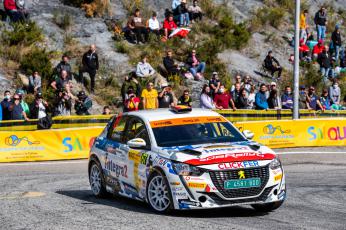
pixel 186 121
pixel 231 157
pixel 230 149
pixel 134 155
pixel 277 177
pixel 241 174
pixel 177 189
pixel 238 165
pixel 175 183
pixel 144 158
pixel 270 129
pixel 180 195
pixel 192 178
pixel 160 161
pixel 277 171
pixel 276 133
pixel 117 169
pixel 197 185
pixel 336 133
pixel 170 169
pixel 189 203
pixel 130 190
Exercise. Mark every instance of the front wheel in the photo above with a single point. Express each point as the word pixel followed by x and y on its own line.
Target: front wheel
pixel 267 207
pixel 158 193
pixel 96 180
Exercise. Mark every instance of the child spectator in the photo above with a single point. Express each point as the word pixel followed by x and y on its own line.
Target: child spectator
pixel 185 99
pixel 272 64
pixel 214 84
pixel 206 102
pixel 5 105
pixel 195 12
pixel 336 41
pixel 325 100
pixel 35 83
pixel 90 64
pixel 335 92
pixel 260 98
pixel 154 25
pixel 321 21
pixel 149 97
pixel 166 99
pixel 287 98
pixel 83 104
pixel 132 102
pixel 16 109
pixel 169 26
pixel 196 67
pixel 223 99
pixel 106 110
pixel 136 25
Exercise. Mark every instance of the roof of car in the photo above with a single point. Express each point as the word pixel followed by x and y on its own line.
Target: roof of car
pixel 164 114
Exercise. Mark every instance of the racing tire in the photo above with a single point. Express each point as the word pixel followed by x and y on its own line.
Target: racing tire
pixel 96 180
pixel 267 207
pixel 159 193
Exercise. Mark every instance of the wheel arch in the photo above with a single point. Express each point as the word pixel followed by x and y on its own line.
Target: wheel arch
pixel 93 158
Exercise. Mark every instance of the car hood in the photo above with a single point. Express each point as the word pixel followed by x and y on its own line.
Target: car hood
pixel 218 153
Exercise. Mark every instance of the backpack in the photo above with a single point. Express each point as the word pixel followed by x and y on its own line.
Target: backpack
pixel 44 123
pixel 20 4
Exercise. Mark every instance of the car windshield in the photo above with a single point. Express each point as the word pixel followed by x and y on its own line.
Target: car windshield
pixel 193 134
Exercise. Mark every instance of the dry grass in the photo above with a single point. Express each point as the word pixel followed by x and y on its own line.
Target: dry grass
pixel 97 8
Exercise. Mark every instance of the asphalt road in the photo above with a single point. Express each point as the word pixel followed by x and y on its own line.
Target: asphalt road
pixel 56 195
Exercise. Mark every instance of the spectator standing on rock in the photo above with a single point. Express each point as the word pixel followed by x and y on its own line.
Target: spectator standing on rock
pixel 166 99
pixel 223 99
pixel 64 65
pixel 90 65
pixel 169 26
pixel 38 107
pixel 170 65
pixel 304 26
pixel 137 26
pixel 206 102
pixel 287 98
pixel 63 105
pixel 272 64
pixel 260 98
pixel 214 84
pixel 325 61
pixel 132 102
pixel 336 42
pixel 195 12
pixel 35 83
pixel 185 99
pixel 154 25
pixel 321 22
pixel 83 104
pixel 196 67
pixel 335 92
pixel 16 109
pixel 5 105
pixel 149 97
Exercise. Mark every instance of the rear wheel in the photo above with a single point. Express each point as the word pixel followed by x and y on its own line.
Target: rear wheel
pixel 267 207
pixel 96 180
pixel 158 193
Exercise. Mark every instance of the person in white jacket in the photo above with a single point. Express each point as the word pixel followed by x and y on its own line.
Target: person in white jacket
pixel 154 25
pixel 206 102
pixel 145 70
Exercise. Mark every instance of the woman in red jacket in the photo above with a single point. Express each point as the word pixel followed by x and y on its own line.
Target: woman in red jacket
pixel 15 10
pixel 169 25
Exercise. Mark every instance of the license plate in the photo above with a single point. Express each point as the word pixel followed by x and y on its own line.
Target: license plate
pixel 242 183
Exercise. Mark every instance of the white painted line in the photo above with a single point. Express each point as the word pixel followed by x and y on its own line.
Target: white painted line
pixel 44 163
pixel 309 152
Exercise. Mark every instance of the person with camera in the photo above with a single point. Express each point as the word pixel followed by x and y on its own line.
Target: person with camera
pixel 38 107
pixel 132 101
pixel 166 98
pixel 83 104
pixel 64 104
pixel 130 82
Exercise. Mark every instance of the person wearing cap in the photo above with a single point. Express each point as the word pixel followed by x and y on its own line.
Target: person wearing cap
pixel 318 48
pixel 149 97
pixel 132 101
pixel 321 22
pixel 154 25
pixel 64 65
pixel 24 105
pixel 35 83
pixel 303 103
pixel 16 109
pixel 214 84
pixel 83 104
pixel 185 99
pixel 287 98
pixel 90 65
pixel 335 92
pixel 195 11
pixel 63 105
pixel 38 107
pixel 304 25
pixel 272 64
pixel 325 61
pixel 5 104
pixel 336 41
pixel 166 98
pixel 313 100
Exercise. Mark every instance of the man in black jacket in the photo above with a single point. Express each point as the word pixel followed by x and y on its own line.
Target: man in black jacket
pixel 90 65
pixel 325 60
pixel 321 22
pixel 170 64
pixel 272 64
pixel 64 65
pixel 336 39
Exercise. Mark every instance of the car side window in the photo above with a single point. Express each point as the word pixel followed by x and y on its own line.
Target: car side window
pixel 118 130
pixel 137 129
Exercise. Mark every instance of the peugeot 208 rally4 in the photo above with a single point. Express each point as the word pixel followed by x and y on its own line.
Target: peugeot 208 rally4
pixel 173 159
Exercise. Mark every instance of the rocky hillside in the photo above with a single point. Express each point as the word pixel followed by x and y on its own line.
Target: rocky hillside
pixel 66 29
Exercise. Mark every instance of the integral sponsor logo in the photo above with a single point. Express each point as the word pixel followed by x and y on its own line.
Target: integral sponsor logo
pixel 144 158
pixel 117 169
pixel 197 185
pixel 192 178
pixel 189 203
pixel 241 174
pixel 331 133
pixel 175 183
pixel 277 132
pixel 162 123
pixel 14 140
pixel 180 195
pixel 233 155
pixel 215 150
pixel 177 189
pixel 238 165
pixel 160 161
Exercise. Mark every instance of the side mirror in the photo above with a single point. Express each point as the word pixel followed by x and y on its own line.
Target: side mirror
pixel 248 134
pixel 137 143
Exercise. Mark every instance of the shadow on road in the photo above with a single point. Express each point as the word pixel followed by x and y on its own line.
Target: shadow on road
pixel 136 206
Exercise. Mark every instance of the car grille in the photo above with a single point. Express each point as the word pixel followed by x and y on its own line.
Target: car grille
pixel 219 177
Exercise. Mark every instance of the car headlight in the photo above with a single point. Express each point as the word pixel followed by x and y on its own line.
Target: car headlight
pixel 187 170
pixel 275 164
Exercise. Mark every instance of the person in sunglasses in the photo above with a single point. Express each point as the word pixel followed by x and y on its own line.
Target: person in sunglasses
pixel 16 109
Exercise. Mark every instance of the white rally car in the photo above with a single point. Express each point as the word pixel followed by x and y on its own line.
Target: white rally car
pixel 184 160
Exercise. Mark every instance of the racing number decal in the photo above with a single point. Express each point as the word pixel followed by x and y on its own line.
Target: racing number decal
pixel 144 159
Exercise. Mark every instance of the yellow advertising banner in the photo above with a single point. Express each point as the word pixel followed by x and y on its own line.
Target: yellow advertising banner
pixel 42 145
pixel 298 133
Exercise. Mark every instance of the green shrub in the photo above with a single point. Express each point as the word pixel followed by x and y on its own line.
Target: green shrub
pixel 122 47
pixel 273 16
pixel 64 21
pixel 37 60
pixel 25 34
